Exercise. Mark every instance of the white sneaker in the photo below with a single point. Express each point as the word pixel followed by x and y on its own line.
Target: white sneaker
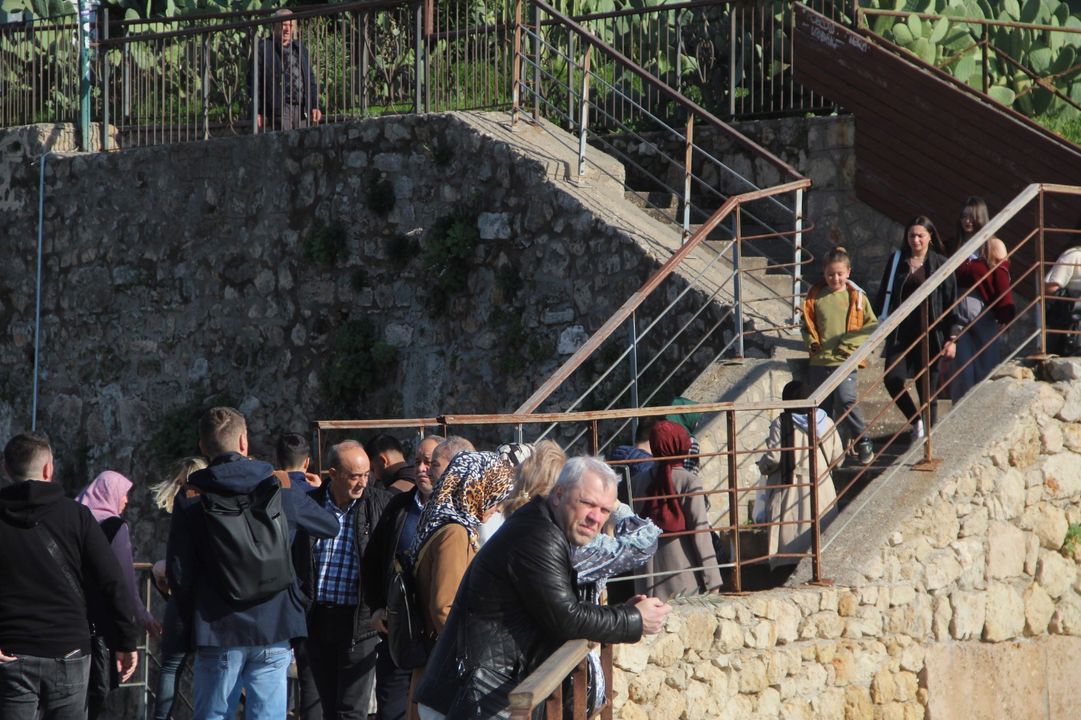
pixel 916 433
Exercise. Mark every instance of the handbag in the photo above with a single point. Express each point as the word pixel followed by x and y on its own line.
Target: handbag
pixel 406 639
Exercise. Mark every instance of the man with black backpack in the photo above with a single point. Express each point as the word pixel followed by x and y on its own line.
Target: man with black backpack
pixel 230 569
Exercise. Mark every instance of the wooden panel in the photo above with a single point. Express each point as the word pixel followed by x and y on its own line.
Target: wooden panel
pixel 924 144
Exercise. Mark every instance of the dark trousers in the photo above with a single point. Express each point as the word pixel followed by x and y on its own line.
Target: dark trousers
pixel 308 705
pixel 288 117
pixel 56 686
pixel 908 367
pixel 391 686
pixel 344 669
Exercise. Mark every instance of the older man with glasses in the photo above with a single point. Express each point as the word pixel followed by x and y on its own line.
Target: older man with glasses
pixel 341 639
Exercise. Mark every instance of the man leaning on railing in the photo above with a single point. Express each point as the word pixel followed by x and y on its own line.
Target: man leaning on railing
pixel 517 603
pixel 287 95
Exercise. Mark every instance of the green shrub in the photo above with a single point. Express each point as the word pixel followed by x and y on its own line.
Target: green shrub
pixel 358 364
pixel 447 255
pixel 325 244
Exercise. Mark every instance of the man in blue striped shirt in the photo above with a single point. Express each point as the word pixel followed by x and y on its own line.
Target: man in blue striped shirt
pixel 341 639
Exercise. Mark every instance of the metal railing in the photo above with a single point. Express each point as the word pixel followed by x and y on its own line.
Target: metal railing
pixel 703 312
pixel 186 78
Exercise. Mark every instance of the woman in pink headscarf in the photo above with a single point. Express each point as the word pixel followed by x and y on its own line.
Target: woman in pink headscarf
pixel 107 496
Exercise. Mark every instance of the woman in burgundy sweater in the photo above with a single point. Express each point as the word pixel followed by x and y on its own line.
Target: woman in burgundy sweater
pixel 983 283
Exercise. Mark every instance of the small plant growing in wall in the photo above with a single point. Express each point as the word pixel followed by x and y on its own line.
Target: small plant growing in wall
pixel 1071 546
pixel 442 152
pixel 380 194
pixel 358 364
pixel 447 253
pixel 325 244
pixel 177 433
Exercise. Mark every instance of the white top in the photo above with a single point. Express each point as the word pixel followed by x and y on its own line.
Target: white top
pixel 1066 271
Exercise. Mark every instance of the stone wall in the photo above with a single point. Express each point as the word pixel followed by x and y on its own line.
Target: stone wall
pixel 969 607
pixel 434 267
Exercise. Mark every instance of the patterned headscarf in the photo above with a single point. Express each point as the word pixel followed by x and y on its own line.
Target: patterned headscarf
pixel 666 439
pixel 104 494
pixel 472 484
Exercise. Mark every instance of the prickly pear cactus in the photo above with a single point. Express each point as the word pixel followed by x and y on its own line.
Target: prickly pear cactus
pixel 952 44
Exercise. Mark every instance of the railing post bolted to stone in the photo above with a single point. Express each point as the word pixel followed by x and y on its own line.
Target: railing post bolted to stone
pixel 733 496
pixel 812 472
pixel 571 38
pixel 516 65
pixel 737 280
pixel 583 124
pixel 1041 264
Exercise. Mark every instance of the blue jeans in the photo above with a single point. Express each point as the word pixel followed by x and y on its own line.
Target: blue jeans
pixel 220 673
pixel 170 670
pixel 55 685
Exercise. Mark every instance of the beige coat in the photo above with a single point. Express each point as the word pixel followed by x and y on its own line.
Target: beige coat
pixel 793 504
pixel 680 554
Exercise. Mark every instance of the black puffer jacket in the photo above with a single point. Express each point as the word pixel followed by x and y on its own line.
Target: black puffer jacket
pixel 515 606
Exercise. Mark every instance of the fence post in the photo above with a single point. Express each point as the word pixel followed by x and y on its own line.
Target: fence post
pixel 733 9
pixel 583 125
pixel 797 257
pixel 363 67
pixel 816 518
pixel 632 332
pixel 571 38
pixel 733 497
pixel 418 60
pixel 688 175
pixel 516 65
pixel 84 75
pixel 429 28
pixel 984 53
pixel 536 62
pixel 737 279
pixel 255 89
pixel 103 31
pixel 206 87
pixel 1041 263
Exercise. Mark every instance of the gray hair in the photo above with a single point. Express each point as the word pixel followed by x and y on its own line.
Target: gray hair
pixel 453 445
pixel 571 475
pixel 334 455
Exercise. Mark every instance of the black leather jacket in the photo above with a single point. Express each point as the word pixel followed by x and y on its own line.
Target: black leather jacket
pixel 516 605
pixel 370 508
pixel 939 300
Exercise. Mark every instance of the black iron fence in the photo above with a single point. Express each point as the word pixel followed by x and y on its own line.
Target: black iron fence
pixel 189 78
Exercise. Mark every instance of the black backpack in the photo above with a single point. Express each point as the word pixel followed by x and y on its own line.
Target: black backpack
pixel 405 625
pixel 1063 315
pixel 248 539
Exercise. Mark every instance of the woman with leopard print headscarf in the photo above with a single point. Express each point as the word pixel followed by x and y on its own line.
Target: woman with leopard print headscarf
pixel 472 488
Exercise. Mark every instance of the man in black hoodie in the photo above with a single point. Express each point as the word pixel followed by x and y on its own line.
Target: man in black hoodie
pixel 54 553
pixel 236 645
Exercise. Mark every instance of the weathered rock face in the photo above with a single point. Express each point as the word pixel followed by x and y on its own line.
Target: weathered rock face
pixel 431 267
pixel 972 608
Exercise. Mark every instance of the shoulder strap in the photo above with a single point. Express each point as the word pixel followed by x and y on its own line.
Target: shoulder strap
pixel 809 312
pixel 54 551
pixel 889 285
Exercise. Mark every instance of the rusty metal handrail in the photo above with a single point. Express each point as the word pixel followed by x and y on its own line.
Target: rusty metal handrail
pixel 635 300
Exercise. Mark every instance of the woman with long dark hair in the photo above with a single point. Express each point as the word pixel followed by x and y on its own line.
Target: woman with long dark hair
pixel 983 280
pixel 919 255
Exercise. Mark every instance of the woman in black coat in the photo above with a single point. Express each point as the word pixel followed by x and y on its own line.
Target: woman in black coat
pixel 908 267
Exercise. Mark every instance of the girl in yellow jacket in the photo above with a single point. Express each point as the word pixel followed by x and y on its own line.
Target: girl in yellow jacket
pixel 837 318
